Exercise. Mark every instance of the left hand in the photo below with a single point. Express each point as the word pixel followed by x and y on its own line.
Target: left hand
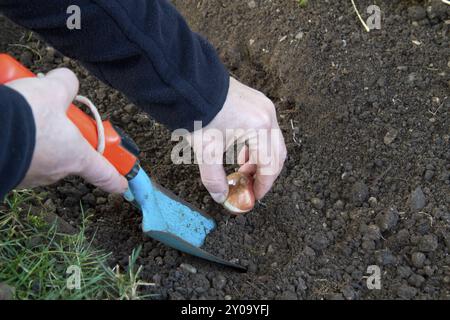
pixel 60 148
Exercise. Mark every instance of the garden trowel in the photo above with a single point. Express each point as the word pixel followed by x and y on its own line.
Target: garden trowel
pixel 165 217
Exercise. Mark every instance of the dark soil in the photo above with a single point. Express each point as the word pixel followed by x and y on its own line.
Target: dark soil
pixel 367 180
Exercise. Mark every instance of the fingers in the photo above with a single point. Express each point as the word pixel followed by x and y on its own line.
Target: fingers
pixel 245 165
pixel 268 171
pixel 65 85
pixel 215 181
pixel 243 155
pixel 248 168
pixel 95 168
pixel 99 171
pixel 57 89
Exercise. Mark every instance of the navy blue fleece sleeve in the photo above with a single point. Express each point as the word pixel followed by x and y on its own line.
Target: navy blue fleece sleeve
pixel 17 139
pixel 143 48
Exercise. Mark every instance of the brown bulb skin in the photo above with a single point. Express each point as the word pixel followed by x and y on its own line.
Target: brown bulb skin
pixel 241 198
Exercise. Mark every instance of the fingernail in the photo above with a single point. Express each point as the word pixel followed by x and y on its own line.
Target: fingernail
pixel 219 197
pixel 128 195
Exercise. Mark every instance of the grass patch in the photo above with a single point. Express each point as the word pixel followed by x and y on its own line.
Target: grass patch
pixel 302 3
pixel 39 262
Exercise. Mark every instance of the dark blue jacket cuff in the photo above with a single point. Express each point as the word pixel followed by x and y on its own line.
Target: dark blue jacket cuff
pixel 17 139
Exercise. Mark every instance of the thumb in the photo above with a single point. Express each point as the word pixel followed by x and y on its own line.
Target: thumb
pixel 100 172
pixel 215 181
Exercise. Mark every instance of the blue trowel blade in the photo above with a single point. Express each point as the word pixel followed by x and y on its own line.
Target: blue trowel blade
pixel 172 220
pixel 177 243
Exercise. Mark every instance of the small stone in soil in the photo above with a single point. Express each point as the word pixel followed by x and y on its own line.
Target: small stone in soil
pixel 89 199
pixel 339 205
pixel 130 108
pixel 270 249
pixel 368 245
pixel 219 282
pixel 189 268
pixel 390 136
pixel 402 237
pixel 50 53
pixel 125 119
pixel 142 119
pixel 416 280
pixel 428 243
pixel 115 199
pixel 372 232
pixel 349 293
pixel 317 203
pixel 429 175
pixel 319 241
pixel 373 202
pixel 417 199
pixel 50 206
pixel 252 4
pixel 301 286
pixel 428 270
pixel 406 292
pixel 309 252
pixel 417 13
pixel 101 200
pixel 436 10
pixel 387 220
pixel 299 35
pixel 385 257
pixel 360 192
pixel 417 259
pixel 404 271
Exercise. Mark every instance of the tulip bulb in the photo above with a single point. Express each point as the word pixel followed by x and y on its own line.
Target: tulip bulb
pixel 241 197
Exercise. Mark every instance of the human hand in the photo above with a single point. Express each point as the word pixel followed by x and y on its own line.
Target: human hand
pixel 60 149
pixel 245 116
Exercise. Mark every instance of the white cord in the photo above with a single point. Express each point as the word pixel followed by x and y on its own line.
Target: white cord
pixel 97 117
pixel 98 120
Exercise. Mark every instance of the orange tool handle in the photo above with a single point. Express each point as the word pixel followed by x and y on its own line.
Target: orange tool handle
pixel 120 150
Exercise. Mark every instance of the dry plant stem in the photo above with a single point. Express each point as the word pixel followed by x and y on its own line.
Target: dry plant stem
pixel 34 51
pixel 359 16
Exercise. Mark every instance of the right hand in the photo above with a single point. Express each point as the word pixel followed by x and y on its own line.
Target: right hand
pixel 245 112
pixel 60 148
